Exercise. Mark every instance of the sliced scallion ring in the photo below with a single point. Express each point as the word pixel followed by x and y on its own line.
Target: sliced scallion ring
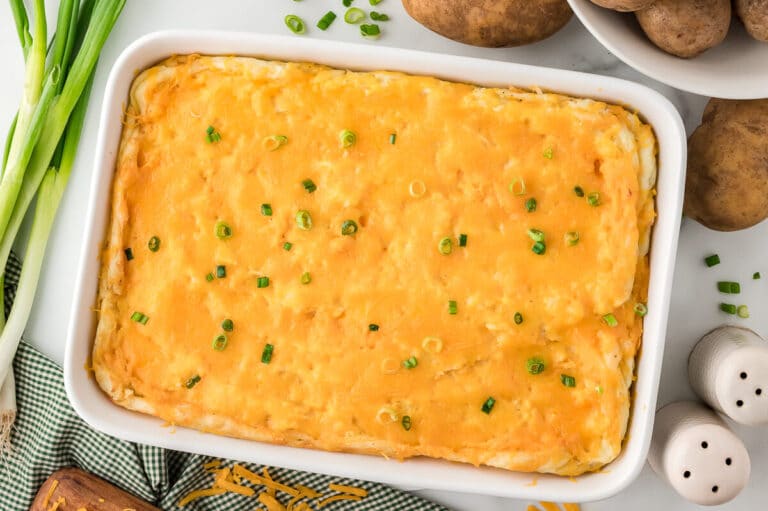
pixel 348 227
pixel 303 220
pixel 295 24
pixel 154 244
pixel 223 230
pixel 445 246
pixel 354 15
pixel 275 142
pixel 347 138
pixel 220 342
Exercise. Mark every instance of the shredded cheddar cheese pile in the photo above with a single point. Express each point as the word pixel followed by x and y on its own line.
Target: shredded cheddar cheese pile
pixel 230 480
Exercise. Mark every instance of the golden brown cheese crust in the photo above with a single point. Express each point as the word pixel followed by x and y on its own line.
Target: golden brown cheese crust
pixel 332 384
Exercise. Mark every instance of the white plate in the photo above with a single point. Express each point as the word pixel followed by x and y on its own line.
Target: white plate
pixel 96 409
pixel 735 69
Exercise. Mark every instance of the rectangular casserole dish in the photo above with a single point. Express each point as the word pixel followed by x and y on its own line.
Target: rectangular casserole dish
pixel 101 413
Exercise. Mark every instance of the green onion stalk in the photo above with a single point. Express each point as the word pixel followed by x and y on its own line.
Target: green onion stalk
pixel 40 151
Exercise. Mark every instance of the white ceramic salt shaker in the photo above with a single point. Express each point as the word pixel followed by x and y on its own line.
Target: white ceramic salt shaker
pixel 728 369
pixel 695 452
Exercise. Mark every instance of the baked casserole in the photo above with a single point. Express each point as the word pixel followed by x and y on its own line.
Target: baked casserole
pixel 376 262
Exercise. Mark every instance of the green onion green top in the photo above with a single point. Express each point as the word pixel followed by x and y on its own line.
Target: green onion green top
pixel 154 244
pixel 306 278
pixel 712 260
pixel 266 209
pixel 262 282
pixel 579 191
pixel 227 325
pixel 139 317
pixel 354 15
pixel 392 138
pixel 732 288
pixel 406 420
pixel 530 205
pixel 374 2
pixel 445 246
pixel 535 365
pixel 453 307
pixel 266 355
pixel 295 24
pixel 326 20
pixel 221 271
pixel 410 362
pixel 220 342
pixel 462 240
pixel 303 220
pixel 309 185
pixel 192 381
pixel 211 135
pixel 370 31
pixel 287 246
pixel 728 308
pixel 222 230
pixel 488 405
pixel 347 3
pixel 536 234
pixel 373 327
pixel 347 138
pixel 209 277
pixel 756 275
pixel 641 309
pixel 568 381
pixel 128 254
pixel 610 320
pixel 518 318
pixel 539 248
pixel 549 153
pixel 593 199
pixel 348 228
pixel 378 16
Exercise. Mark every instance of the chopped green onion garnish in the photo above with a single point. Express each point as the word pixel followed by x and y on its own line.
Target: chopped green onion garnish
pixel 374 2
pixel 517 186
pixel 410 363
pixel 539 248
pixel 139 317
pixel 275 142
pixel 728 307
pixel 518 318
pixel 309 185
pixel 348 227
pixel 295 24
pixel 326 20
pixel 599 389
pixel 579 191
pixel 211 135
pixel 610 320
pixel 209 277
pixel 732 288
pixel 221 271
pixel 593 199
pixel 287 246
pixel 641 309
pixel 266 355
pixel 303 220
pixel 373 327
pixel 756 275
pixel 306 278
pixel 488 405
pixel 712 260
pixel 128 254
pixel 154 244
pixel 530 205
pixel 549 153
pixel 192 381
pixel 462 240
pixel 568 381
pixel 536 235
pixel 220 342
pixel 406 422
pixel 262 282
pixel 227 325
pixel 453 307
pixel 445 246
pixel 378 16
pixel 223 230
pixel 347 3
pixel 354 15
pixel 392 138
pixel 571 238
pixel 535 365
pixel 742 311
pixel 370 31
pixel 266 209
pixel 347 138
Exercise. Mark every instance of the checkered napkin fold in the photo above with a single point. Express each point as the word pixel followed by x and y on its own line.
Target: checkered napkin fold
pixel 48 435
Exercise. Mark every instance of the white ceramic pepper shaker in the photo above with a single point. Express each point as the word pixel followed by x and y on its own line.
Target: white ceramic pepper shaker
pixel 728 369
pixel 695 452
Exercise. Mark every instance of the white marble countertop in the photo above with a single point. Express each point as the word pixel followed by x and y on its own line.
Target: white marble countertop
pixel 694 304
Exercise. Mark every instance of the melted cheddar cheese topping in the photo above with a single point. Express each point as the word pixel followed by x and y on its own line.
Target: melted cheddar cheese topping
pixel 333 382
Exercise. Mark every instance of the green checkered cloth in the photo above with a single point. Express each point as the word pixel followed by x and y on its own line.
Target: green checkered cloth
pixel 49 435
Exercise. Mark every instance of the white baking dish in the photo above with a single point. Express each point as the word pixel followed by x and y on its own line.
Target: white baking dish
pixel 95 408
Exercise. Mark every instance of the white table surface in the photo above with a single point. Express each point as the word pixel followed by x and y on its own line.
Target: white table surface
pixel 694 305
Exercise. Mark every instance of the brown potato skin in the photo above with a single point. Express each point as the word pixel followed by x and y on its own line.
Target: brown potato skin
pixel 624 5
pixel 726 186
pixel 491 23
pixel 686 28
pixel 754 15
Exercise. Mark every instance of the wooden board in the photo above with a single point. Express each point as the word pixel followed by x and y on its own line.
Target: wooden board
pixel 83 491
